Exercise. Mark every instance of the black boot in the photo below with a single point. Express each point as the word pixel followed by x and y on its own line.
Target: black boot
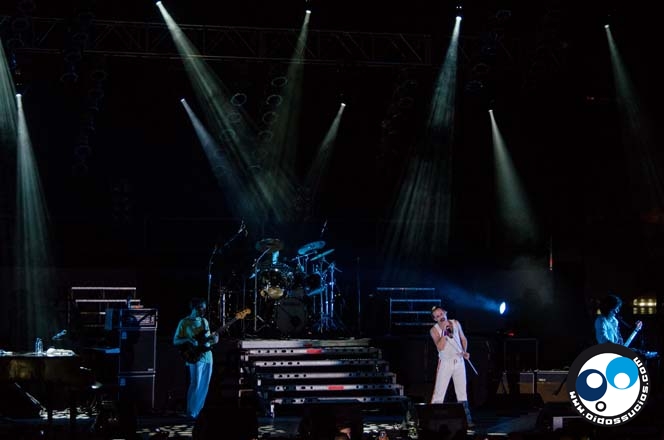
pixel 466 409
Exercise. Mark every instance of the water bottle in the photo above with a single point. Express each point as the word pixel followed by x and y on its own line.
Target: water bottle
pixel 39 346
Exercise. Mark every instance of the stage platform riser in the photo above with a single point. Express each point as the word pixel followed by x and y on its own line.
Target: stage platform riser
pixel 286 374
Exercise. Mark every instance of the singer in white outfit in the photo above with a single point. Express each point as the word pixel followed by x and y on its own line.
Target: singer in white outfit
pixel 451 343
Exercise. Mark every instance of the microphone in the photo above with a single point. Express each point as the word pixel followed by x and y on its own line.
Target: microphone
pixel 623 322
pixel 59 336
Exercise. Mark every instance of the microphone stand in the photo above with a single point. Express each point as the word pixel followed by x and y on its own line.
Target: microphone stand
pixel 221 309
pixel 460 351
pixel 359 297
pixel 624 323
pixel 255 275
pixel 209 286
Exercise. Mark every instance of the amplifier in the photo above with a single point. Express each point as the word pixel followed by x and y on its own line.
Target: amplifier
pixel 130 318
pixel 551 385
pixel 138 390
pixel 138 350
pixel 517 383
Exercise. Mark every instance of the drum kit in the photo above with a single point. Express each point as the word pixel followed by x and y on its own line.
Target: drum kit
pixel 294 297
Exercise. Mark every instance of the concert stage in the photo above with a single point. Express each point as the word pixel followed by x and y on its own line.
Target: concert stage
pixel 271 386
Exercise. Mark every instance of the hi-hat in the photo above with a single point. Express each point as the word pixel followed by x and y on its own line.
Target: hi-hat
pixel 273 244
pixel 313 246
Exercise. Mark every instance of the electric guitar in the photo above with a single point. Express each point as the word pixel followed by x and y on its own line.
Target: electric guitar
pixel 637 327
pixel 192 353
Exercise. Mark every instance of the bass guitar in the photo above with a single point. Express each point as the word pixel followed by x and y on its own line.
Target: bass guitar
pixel 637 327
pixel 192 353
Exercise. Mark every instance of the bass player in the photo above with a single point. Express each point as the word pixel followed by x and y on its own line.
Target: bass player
pixel 193 336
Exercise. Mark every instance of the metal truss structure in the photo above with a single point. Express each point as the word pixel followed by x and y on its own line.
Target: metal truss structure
pixel 153 40
pixel 227 43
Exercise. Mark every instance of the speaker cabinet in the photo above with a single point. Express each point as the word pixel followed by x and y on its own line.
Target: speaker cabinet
pixel 138 348
pixel 137 390
pixel 517 382
pixel 551 386
pixel 441 421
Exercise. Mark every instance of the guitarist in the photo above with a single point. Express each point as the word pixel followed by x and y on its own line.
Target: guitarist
pixel 194 338
pixel 607 325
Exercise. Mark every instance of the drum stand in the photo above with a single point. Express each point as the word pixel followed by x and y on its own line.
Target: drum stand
pixel 327 320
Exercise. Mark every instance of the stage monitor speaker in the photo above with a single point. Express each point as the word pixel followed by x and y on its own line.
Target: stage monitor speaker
pixel 441 421
pixel 138 348
pixel 137 390
pixel 226 421
pixel 323 421
pixel 115 420
pixel 556 416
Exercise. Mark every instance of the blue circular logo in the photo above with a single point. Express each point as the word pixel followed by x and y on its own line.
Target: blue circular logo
pixel 608 384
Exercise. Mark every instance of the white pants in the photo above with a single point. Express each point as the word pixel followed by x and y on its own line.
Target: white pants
pixel 454 369
pixel 199 382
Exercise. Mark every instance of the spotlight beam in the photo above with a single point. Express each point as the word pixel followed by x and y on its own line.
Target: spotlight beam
pixel 421 211
pixel 321 161
pixel 513 206
pixel 34 267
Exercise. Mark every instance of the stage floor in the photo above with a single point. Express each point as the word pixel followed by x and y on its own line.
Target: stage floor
pixel 501 419
pixel 160 426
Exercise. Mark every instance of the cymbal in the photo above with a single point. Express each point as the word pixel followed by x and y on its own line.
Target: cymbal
pixel 273 244
pixel 322 254
pixel 313 246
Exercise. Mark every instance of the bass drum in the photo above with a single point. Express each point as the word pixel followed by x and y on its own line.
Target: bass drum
pixel 291 316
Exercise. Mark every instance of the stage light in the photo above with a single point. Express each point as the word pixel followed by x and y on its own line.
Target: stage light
pixel 182 100
pixel 308 11
pixel 158 3
pixel 459 12
pixel 343 105
pixel 502 308
pixel 238 99
pixel 19 96
pixel 606 26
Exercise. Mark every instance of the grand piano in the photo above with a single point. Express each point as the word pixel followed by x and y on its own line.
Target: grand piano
pixel 59 371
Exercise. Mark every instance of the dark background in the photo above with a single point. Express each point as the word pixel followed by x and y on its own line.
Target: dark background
pixel 147 211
